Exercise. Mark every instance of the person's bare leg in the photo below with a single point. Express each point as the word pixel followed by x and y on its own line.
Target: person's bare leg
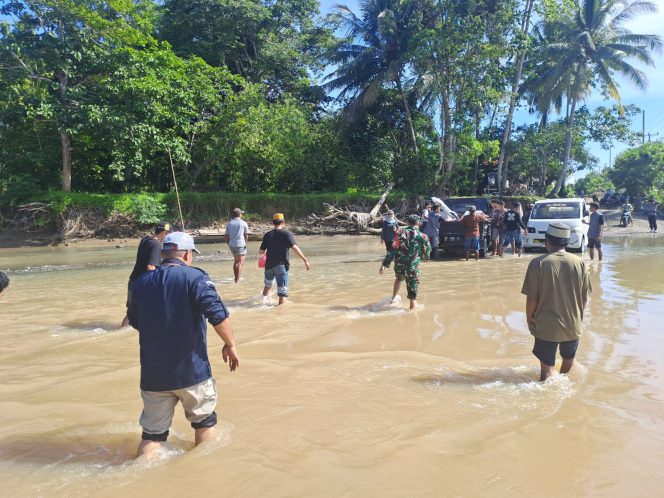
pixel 518 250
pixel 495 248
pixel 567 365
pixel 592 253
pixel 413 304
pixel 467 254
pixel 395 289
pixel 237 267
pixel 236 270
pixel 477 255
pixel 266 291
pixel 148 449
pixel 283 300
pixel 513 249
pixel 202 435
pixel 599 254
pixel 546 371
pixel 125 322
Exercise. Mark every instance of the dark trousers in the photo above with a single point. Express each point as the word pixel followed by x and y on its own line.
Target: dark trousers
pixel 652 221
pixel 388 244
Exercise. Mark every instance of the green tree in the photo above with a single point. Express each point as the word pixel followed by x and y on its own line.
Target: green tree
pixel 50 53
pixel 272 43
pixel 148 102
pixel 591 47
pixel 640 170
pixel 455 59
pixel 593 182
pixel 260 146
pixel 374 55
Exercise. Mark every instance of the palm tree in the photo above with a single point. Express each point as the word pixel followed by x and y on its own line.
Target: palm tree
pixel 592 47
pixel 372 56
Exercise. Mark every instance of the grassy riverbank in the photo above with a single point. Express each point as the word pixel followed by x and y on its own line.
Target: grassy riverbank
pixel 59 216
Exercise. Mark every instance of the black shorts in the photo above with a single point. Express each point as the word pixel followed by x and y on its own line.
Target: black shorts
pixel 594 243
pixel 545 351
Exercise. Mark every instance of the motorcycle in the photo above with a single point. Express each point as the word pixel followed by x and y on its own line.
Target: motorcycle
pixel 626 218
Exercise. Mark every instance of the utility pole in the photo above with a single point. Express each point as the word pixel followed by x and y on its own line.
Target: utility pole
pixel 643 128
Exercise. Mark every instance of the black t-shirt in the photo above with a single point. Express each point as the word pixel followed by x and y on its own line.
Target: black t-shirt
pixel 513 220
pixel 149 253
pixel 277 243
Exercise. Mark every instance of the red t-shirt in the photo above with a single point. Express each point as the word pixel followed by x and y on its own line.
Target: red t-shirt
pixel 471 224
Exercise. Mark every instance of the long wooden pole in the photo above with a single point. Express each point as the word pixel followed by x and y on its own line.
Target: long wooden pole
pixel 177 193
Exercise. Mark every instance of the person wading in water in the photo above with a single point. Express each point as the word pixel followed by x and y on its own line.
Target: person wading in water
pixel 148 257
pixel 169 309
pixel 410 247
pixel 236 236
pixel 556 288
pixel 4 282
pixel 277 243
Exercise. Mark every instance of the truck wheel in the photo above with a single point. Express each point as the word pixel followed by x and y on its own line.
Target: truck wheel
pixel 527 249
pixel 484 247
pixel 581 248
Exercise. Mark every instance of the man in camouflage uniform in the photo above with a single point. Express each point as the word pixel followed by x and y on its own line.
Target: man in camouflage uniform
pixel 409 248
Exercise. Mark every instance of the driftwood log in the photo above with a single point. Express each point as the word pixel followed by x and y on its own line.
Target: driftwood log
pixel 349 219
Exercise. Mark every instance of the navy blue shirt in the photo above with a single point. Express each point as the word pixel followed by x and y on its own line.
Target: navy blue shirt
pixel 169 309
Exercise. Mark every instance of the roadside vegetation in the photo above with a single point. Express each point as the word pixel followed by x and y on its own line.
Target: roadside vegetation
pixel 252 98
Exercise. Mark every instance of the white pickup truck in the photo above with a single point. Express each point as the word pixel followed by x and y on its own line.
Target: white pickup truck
pixel 572 212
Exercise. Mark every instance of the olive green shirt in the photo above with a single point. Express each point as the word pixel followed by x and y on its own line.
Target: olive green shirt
pixel 560 284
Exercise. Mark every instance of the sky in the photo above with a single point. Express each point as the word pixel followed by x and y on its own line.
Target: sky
pixel 650 100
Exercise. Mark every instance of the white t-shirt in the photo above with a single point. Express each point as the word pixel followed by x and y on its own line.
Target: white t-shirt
pixel 236 229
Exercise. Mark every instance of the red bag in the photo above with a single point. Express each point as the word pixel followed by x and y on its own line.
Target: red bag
pixel 262 260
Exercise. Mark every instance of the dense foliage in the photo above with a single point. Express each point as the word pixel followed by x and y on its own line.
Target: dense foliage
pixel 641 171
pixel 268 96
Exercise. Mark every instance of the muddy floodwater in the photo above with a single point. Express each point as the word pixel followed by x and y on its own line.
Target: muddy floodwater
pixel 338 393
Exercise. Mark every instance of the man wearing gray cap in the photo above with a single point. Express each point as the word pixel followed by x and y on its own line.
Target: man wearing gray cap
pixel 557 287
pixel 237 235
pixel 169 309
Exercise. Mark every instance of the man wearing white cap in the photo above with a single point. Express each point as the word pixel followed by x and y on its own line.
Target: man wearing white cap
pixel 169 309
pixel 557 287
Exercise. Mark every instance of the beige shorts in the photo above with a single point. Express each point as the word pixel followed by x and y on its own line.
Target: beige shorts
pixel 198 401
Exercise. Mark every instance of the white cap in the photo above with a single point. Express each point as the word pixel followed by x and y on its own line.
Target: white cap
pixel 559 230
pixel 179 241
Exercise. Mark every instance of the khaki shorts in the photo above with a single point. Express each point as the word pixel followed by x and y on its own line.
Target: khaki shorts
pixel 238 251
pixel 198 401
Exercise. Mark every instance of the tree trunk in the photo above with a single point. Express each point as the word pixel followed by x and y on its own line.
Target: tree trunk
pixel 514 95
pixel 66 161
pixel 570 132
pixel 409 117
pixel 506 166
pixel 374 212
pixel 65 139
pixel 476 168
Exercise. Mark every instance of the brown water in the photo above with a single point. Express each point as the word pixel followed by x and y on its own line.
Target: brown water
pixel 339 394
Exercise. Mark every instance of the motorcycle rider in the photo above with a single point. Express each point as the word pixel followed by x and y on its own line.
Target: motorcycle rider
pixel 626 217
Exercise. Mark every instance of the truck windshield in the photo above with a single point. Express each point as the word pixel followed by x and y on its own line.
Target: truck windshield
pixel 460 206
pixel 556 210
